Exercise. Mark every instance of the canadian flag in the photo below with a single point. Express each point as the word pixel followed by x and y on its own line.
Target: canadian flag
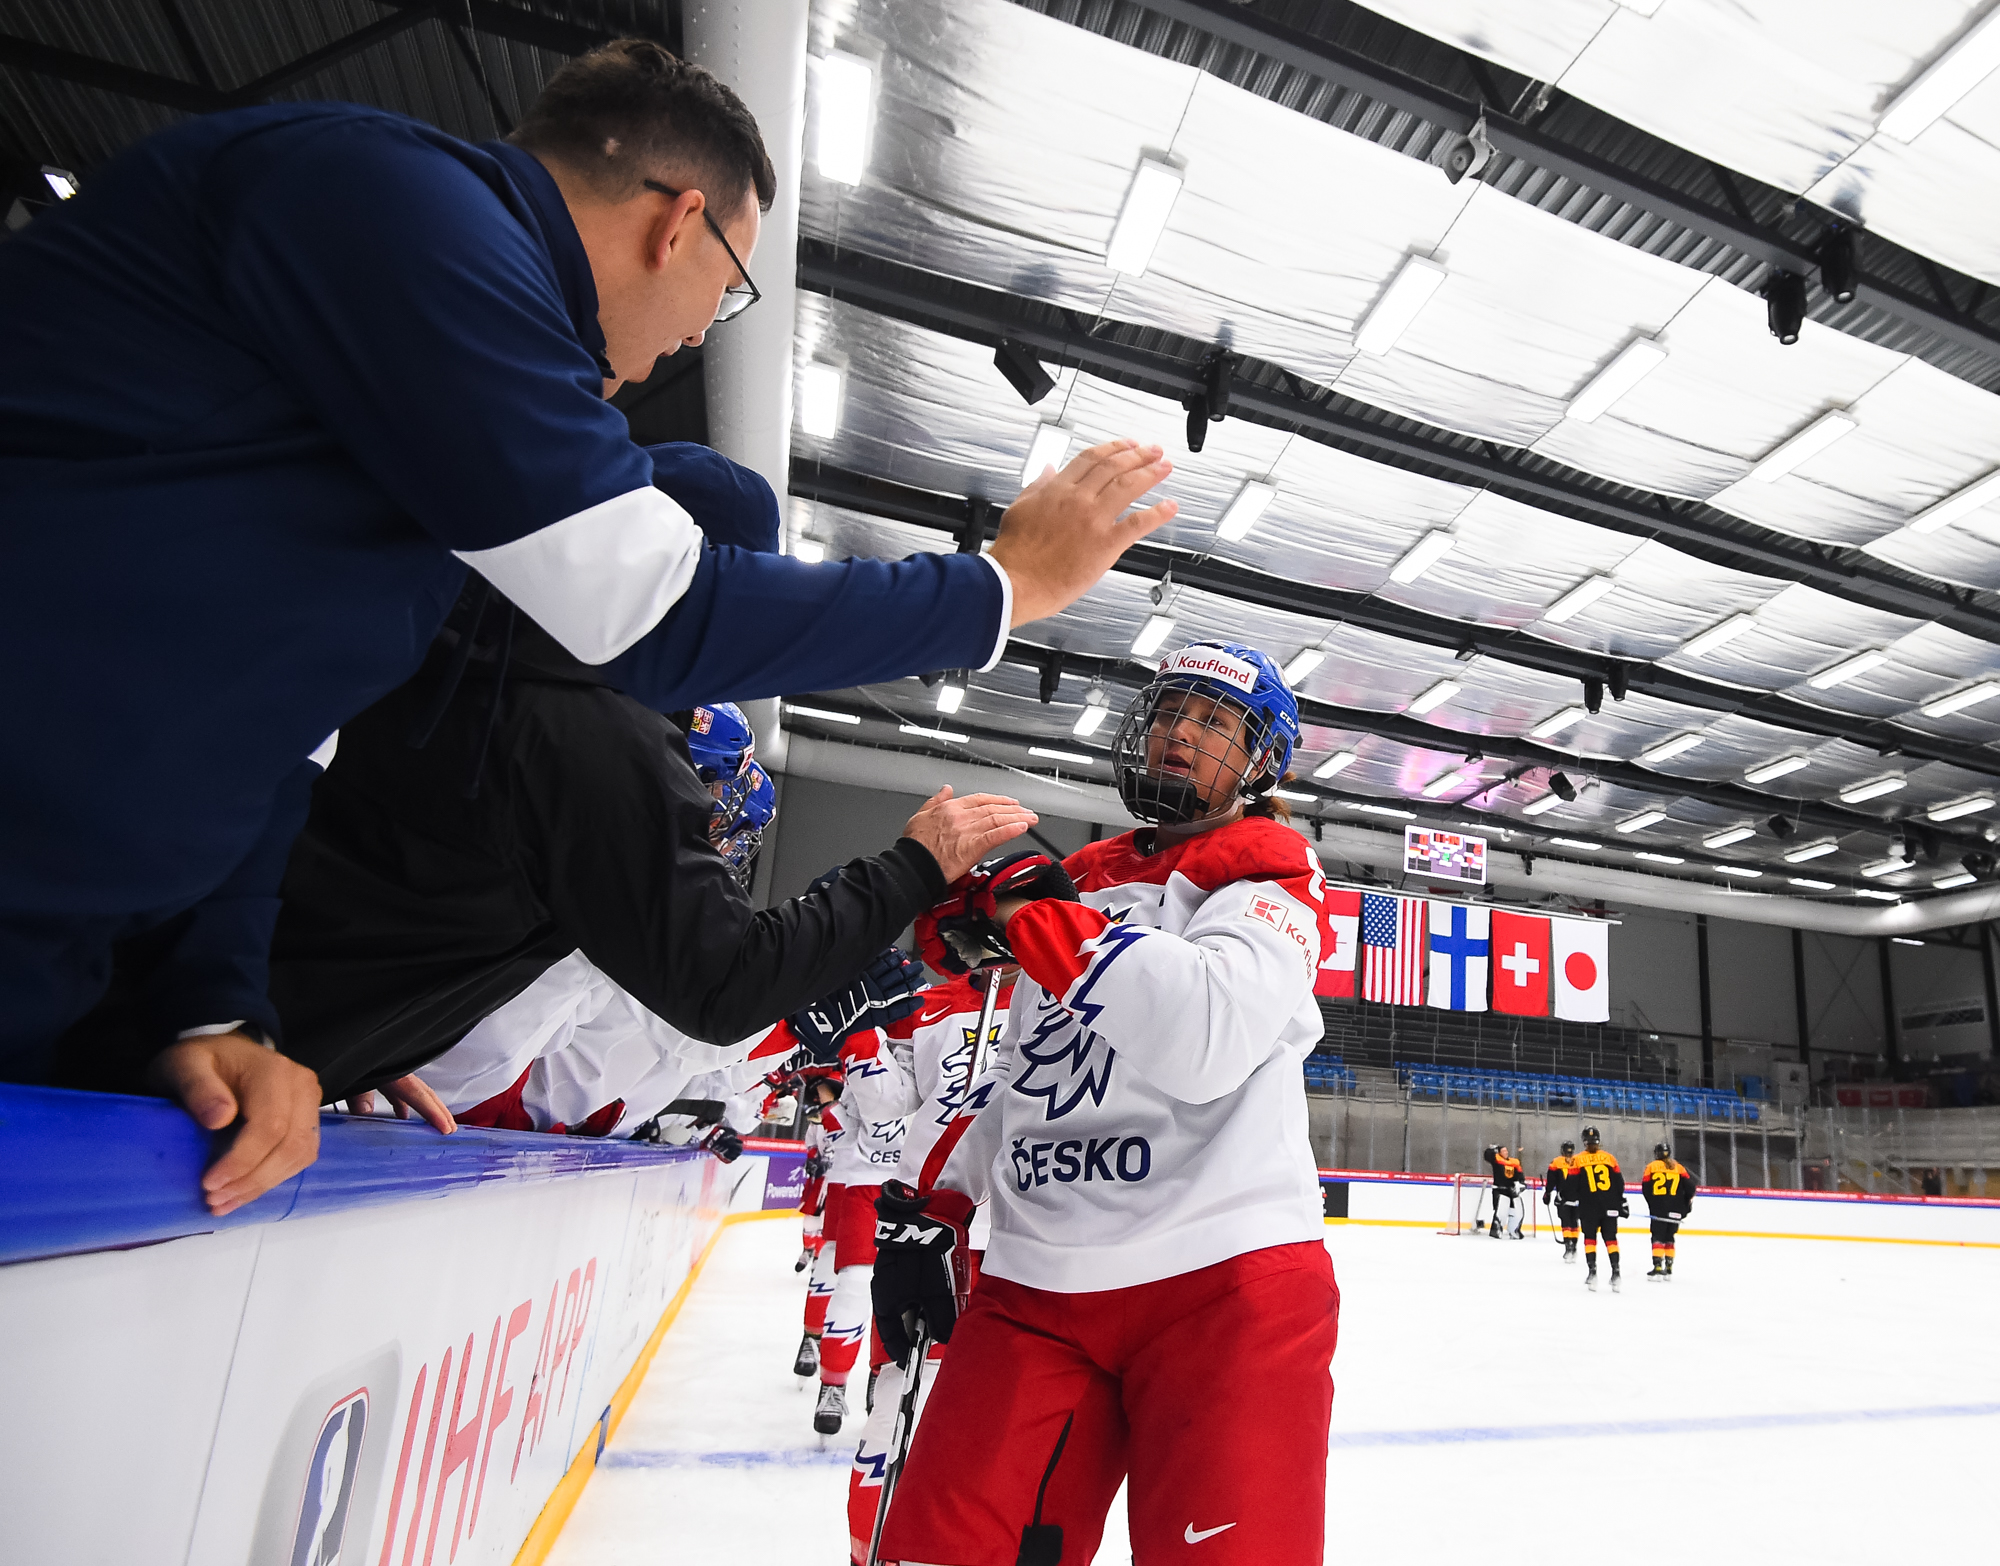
pixel 1335 978
pixel 1520 964
pixel 1583 987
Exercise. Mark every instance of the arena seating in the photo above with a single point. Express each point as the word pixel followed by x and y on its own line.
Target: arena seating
pixel 1328 1074
pixel 1535 1090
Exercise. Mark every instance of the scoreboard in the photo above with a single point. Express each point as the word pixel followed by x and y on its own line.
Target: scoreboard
pixel 1444 856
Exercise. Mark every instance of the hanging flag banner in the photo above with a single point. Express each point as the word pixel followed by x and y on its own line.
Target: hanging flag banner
pixel 1444 856
pixel 1582 972
pixel 1335 978
pixel 1520 964
pixel 1460 937
pixel 1392 949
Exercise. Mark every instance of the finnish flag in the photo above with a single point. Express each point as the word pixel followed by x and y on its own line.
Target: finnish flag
pixel 1461 939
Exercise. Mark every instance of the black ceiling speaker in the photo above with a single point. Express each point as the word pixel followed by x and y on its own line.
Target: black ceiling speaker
pixel 1979 862
pixel 1781 828
pixel 1618 680
pixel 1023 370
pixel 1838 272
pixel 1563 789
pixel 1785 305
pixel 1593 695
pixel 1933 844
pixel 1052 668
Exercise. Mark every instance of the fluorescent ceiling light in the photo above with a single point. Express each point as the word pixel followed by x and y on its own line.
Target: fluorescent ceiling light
pixel 1638 359
pixel 1295 795
pixel 1576 842
pixel 1390 316
pixel 1847 669
pixel 810 550
pixel 1578 599
pixel 1046 450
pixel 1542 806
pixel 1725 839
pixel 1809 884
pixel 1712 638
pixel 951 696
pixel 1444 782
pixel 1076 757
pixel 1904 940
pixel 1303 664
pixel 1245 509
pixel 1339 761
pixel 1151 635
pixel 1782 767
pixel 1802 447
pixel 1667 749
pixel 1878 894
pixel 1422 555
pixel 1961 807
pixel 1958 701
pixel 1641 821
pixel 1962 503
pixel 1555 723
pixel 1875 788
pixel 821 713
pixel 1643 7
pixel 1388 810
pixel 1659 859
pixel 937 734
pixel 1743 870
pixel 1955 73
pixel 1090 720
pixel 60 181
pixel 1884 867
pixel 1820 850
pixel 840 137
pixel 819 399
pixel 1149 201
pixel 1945 883
pixel 1436 696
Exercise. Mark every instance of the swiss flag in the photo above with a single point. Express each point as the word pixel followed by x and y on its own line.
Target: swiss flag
pixel 1343 931
pixel 1520 964
pixel 1583 985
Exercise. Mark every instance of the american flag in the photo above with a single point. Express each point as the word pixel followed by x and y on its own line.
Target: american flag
pixel 1393 951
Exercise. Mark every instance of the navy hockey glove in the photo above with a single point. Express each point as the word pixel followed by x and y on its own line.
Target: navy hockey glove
pixel 963 933
pixel 922 1270
pixel 724 1143
pixel 883 992
pixel 815 1165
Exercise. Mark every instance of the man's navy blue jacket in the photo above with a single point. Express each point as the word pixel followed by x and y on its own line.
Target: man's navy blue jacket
pixel 267 388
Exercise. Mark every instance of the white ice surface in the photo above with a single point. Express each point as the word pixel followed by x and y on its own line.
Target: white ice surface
pixel 1780 1400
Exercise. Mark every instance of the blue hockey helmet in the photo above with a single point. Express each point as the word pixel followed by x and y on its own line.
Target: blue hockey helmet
pixel 1254 745
pixel 744 831
pixel 721 744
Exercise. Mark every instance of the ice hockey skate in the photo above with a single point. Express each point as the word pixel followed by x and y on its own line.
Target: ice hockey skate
pixel 831 1410
pixel 806 1361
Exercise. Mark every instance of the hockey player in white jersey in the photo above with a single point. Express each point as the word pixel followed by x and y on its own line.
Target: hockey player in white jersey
pixel 1156 1305
pixel 929 1060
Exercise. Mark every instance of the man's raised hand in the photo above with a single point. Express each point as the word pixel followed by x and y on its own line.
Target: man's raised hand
pixel 961 832
pixel 1067 529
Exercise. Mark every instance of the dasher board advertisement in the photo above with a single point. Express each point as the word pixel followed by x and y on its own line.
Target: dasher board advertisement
pixel 1444 856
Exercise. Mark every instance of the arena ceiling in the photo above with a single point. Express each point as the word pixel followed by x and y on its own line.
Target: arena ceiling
pixel 1798 640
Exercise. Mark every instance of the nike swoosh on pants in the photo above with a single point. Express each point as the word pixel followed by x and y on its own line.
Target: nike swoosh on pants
pixel 1206 1533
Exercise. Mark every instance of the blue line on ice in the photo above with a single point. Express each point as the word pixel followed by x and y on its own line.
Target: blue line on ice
pixel 1645 1427
pixel 794 1457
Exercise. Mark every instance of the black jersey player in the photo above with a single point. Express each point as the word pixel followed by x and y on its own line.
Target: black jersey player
pixel 1557 1195
pixel 1597 1185
pixel 1669 1191
pixel 1507 1182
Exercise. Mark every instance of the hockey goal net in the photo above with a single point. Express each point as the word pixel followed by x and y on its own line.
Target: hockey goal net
pixel 1471 1210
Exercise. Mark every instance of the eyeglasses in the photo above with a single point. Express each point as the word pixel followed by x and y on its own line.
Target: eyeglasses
pixel 734 300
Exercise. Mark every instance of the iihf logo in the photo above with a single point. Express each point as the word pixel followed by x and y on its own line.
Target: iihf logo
pixel 1066 1061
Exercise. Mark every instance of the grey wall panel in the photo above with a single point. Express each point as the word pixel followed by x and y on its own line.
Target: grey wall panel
pixel 1750 980
pixel 1940 1000
pixel 1843 994
pixel 1653 982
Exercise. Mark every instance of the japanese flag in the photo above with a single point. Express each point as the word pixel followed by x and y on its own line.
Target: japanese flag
pixel 1343 932
pixel 1583 987
pixel 1520 964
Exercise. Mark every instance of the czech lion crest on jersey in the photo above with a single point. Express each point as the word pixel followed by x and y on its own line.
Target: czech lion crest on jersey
pixel 1066 1062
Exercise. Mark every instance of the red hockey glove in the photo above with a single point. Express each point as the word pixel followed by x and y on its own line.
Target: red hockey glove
pixel 963 933
pixel 922 1270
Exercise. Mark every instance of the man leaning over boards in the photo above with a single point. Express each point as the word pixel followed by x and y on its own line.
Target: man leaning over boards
pixel 270 387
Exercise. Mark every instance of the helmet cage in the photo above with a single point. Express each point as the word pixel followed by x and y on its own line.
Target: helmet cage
pixel 1249 746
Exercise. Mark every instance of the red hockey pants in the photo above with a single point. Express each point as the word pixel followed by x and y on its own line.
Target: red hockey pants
pixel 1211 1391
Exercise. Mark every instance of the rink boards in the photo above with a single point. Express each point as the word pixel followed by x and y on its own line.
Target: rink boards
pixel 402 1363
pixel 1424 1202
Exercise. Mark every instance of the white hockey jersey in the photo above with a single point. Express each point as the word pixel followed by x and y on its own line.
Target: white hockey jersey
pixel 1153 1117
pixel 869 1148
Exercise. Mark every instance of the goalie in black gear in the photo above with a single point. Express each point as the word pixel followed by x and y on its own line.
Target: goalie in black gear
pixel 1597 1185
pixel 1669 1190
pixel 1557 1196
pixel 1508 1207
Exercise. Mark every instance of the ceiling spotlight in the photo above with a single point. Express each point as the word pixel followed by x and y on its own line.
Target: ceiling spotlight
pixel 1712 638
pixel 1542 806
pixel 1151 635
pixel 1737 870
pixel 1422 555
pixel 1780 827
pixel 1637 360
pixel 1149 202
pixel 810 550
pixel 1667 749
pixel 820 387
pixel 1960 807
pixel 1302 664
pixel 1024 372
pixel 1725 839
pixel 1578 599
pixel 1847 669
pixel 1245 509
pixel 1958 701
pixel 1784 766
pixel 1875 788
pixel 1047 450
pixel 1802 447
pixel 1436 696
pixel 1593 696
pixel 1563 788
pixel 951 694
pixel 1809 884
pixel 1837 269
pixel 1962 67
pixel 1957 878
pixel 845 96
pixel 61 182
pixel 1096 708
pixel 1959 503
pixel 1390 316
pixel 1339 761
pixel 1555 723
pixel 1641 821
pixel 1819 850
pixel 1785 305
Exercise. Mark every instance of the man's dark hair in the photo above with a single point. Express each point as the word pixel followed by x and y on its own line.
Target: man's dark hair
pixel 631 111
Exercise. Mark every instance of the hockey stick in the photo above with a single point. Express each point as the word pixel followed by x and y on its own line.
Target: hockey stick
pixel 981 1043
pixel 905 1425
